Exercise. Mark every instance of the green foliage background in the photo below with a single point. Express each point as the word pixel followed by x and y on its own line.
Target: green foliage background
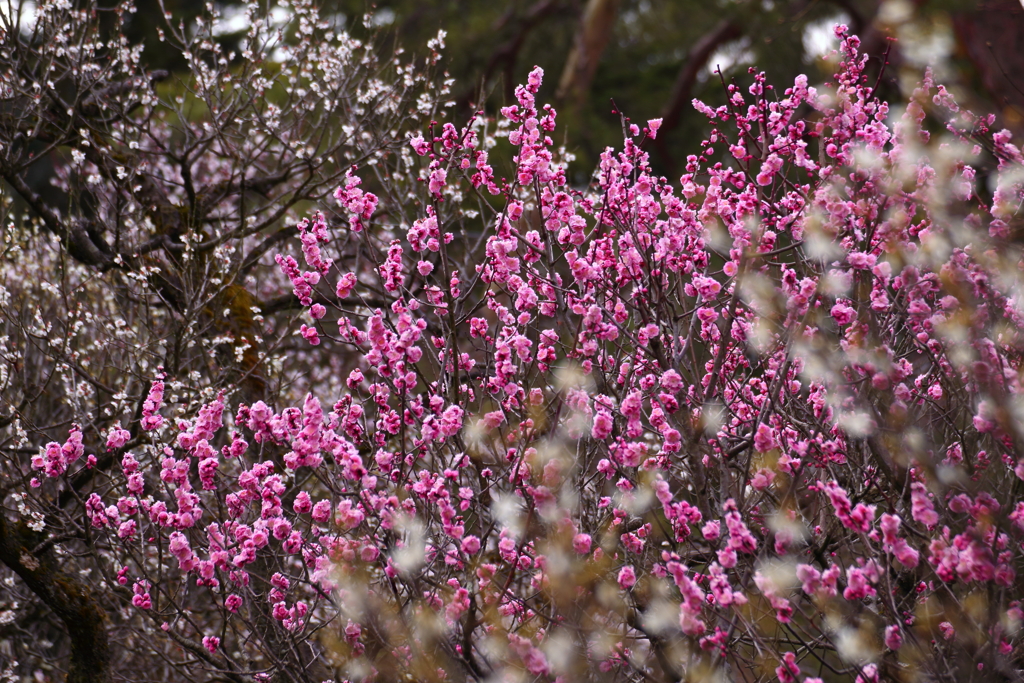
pixel 492 45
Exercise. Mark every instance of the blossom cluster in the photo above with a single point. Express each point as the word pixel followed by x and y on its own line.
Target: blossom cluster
pixel 641 429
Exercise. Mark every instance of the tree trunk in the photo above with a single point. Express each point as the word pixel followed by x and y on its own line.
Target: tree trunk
pixel 69 599
pixel 591 39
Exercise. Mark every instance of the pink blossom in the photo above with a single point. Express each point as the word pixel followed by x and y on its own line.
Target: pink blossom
pixel 893 638
pixel 627 577
pixel 471 545
pixel 809 577
pixel 859 581
pixel 602 428
pixel 707 287
pixel 858 518
pixel 346 283
pixel 652 128
pixel 151 418
pixel 420 145
pixel 788 670
pixel 769 168
pixel 922 509
pixel 492 419
pixel 783 608
pixel 581 543
pixel 310 334
pixel 861 260
pixel 117 437
pixel 843 314
pixel 438 178
pixel 764 439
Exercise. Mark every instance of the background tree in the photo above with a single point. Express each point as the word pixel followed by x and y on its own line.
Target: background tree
pixel 657 55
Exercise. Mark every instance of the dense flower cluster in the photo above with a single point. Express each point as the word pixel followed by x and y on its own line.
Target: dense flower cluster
pixel 762 422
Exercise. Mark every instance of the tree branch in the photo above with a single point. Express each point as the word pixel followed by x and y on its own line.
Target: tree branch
pixel 682 90
pixel 69 599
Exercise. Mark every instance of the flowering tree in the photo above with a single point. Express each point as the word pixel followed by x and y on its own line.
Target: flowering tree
pixel 758 425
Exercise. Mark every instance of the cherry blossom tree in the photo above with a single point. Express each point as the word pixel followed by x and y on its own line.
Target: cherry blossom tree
pixel 400 415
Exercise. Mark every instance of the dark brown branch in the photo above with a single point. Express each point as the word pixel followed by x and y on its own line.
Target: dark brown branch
pixel 504 57
pixel 682 90
pixel 73 235
pixel 92 105
pixel 69 599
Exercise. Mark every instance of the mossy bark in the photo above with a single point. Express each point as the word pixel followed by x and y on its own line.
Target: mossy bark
pixel 84 619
